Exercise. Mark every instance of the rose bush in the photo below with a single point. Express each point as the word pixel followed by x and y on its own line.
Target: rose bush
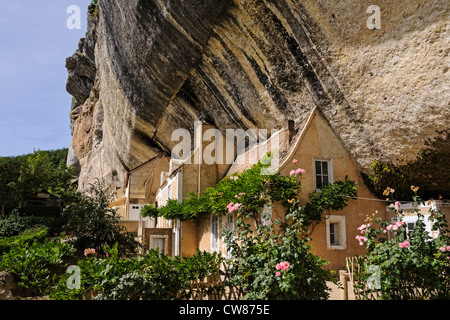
pixel 411 264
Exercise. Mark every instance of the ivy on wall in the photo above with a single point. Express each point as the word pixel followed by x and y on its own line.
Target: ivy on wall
pixel 255 190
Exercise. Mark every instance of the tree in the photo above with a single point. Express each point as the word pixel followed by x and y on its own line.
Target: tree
pixel 9 173
pixel 23 175
pixel 94 224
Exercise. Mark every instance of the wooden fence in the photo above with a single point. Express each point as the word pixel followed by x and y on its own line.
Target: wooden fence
pixel 361 289
pixel 214 287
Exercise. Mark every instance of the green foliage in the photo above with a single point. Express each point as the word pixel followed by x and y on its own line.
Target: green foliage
pixel 257 248
pixel 34 263
pixel 93 8
pixel 24 175
pixel 151 276
pixel 411 266
pixel 334 196
pixel 13 225
pixel 24 237
pixel 94 224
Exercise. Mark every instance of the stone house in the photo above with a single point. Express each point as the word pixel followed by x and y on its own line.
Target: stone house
pixel 310 140
pixel 317 149
pixel 139 189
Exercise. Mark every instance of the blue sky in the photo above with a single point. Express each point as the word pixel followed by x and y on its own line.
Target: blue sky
pixel 34 43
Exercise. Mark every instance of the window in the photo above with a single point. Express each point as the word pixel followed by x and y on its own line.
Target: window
pixel 160 243
pixel 410 222
pixel 335 233
pixel 214 233
pixel 334 239
pixel 230 222
pixel 169 191
pixel 229 225
pixel 135 212
pixel 323 173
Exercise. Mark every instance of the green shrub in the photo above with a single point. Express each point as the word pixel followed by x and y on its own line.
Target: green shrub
pixel 27 236
pixel 34 263
pixel 150 276
pixel 13 225
pixel 95 225
pixel 404 266
pixel 258 254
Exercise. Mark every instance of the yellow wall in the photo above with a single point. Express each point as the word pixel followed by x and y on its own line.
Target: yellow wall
pixel 320 142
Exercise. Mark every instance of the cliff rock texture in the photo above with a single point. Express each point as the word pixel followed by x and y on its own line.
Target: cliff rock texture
pixel 148 67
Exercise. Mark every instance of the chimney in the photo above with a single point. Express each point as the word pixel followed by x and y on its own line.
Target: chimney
pixel 289 128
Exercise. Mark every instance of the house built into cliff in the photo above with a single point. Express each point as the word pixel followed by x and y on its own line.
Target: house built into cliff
pixel 139 189
pixel 319 152
pixel 309 140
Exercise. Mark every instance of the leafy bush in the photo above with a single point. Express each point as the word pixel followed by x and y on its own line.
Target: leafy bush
pixel 273 259
pixel 95 225
pixel 150 276
pixel 257 252
pixel 410 266
pixel 13 225
pixel 34 263
pixel 27 236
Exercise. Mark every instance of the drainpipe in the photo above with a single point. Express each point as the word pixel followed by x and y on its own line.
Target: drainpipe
pixel 127 207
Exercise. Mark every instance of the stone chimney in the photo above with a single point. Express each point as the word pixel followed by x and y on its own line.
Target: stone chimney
pixel 289 133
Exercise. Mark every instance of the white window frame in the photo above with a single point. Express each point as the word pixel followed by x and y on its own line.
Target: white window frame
pixel 214 239
pixel 229 225
pixel 330 171
pixel 413 219
pixel 153 237
pixel 341 232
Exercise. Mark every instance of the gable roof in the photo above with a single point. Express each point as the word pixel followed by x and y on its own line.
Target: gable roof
pixel 286 148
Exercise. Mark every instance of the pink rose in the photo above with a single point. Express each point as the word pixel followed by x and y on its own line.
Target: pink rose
pixel 443 249
pixel 448 248
pixel 278 273
pixel 361 239
pixel 404 244
pixel 278 266
pixel 362 227
pixel 292 172
pixel 294 161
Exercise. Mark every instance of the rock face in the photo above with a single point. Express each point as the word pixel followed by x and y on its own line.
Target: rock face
pixel 148 67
